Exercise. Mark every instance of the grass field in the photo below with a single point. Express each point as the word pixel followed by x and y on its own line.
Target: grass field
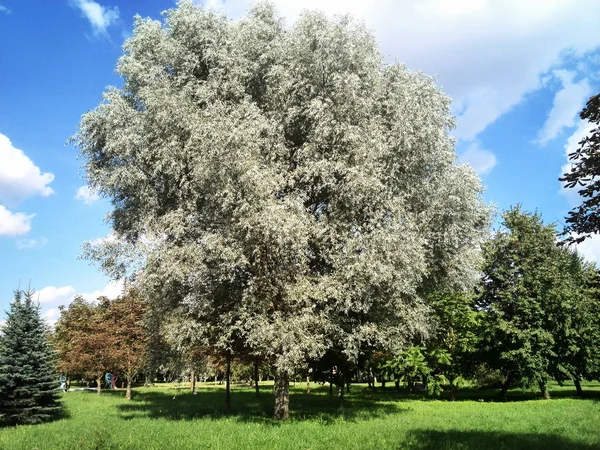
pixel 166 417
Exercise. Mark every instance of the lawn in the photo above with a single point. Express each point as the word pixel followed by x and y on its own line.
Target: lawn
pixel 167 417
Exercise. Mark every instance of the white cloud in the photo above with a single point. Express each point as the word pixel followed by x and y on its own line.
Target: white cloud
pixel 583 129
pixel 54 295
pixel 85 194
pixel 568 101
pixel 23 244
pixel 20 178
pixel 51 316
pixel 14 224
pixel 100 17
pixel 214 4
pixel 488 54
pixel 590 248
pixel 482 160
pixel 112 290
pixel 5 10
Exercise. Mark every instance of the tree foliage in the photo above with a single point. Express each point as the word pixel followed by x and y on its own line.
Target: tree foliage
pixel 537 304
pixel 281 182
pixel 81 340
pixel 28 381
pixel 93 338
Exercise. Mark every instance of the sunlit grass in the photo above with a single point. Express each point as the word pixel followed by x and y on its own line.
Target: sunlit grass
pixel 170 417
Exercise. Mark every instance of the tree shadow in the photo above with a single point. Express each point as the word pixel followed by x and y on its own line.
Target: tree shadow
pixel 475 440
pixel 59 414
pixel 246 407
pixel 484 395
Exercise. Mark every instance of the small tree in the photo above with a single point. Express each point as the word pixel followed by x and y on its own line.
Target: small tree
pixel 125 331
pixel 82 339
pixel 28 382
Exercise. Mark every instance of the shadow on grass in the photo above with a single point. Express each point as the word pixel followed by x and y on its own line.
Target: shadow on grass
pixel 246 407
pixel 59 414
pixel 485 395
pixel 475 440
pixel 362 404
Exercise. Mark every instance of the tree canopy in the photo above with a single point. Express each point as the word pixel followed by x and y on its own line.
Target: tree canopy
pixel 281 182
pixel 538 301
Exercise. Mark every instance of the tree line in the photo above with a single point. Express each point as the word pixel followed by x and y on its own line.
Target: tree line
pixel 532 318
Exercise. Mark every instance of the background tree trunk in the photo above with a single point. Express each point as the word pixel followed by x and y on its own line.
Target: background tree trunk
pixel 193 381
pixel 128 393
pixel 282 395
pixel 544 390
pixel 99 384
pixel 505 386
pixel 227 385
pixel 256 388
pixel 578 387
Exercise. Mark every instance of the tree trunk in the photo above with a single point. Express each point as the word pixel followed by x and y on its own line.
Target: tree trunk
pixel 227 386
pixel 308 385
pixel 397 383
pixel 99 384
pixel 341 388
pixel 578 387
pixel 330 387
pixel 256 388
pixel 128 394
pixel 505 386
pixel 382 383
pixel 544 390
pixel 347 387
pixel 282 395
pixel 193 381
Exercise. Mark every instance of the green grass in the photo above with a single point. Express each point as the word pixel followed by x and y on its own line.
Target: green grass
pixel 169 418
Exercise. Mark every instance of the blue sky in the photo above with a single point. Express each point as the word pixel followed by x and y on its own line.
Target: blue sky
pixel 519 72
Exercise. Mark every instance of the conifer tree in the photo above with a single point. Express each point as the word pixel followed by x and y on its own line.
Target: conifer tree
pixel 28 383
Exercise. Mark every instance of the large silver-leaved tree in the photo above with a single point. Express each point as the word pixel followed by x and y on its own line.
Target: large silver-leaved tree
pixel 286 190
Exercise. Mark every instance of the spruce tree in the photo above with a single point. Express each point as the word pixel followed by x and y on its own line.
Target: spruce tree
pixel 28 383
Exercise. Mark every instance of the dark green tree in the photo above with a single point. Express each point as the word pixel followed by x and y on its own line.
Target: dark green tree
pixel 453 344
pixel 521 278
pixel 584 220
pixel 575 322
pixel 28 381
